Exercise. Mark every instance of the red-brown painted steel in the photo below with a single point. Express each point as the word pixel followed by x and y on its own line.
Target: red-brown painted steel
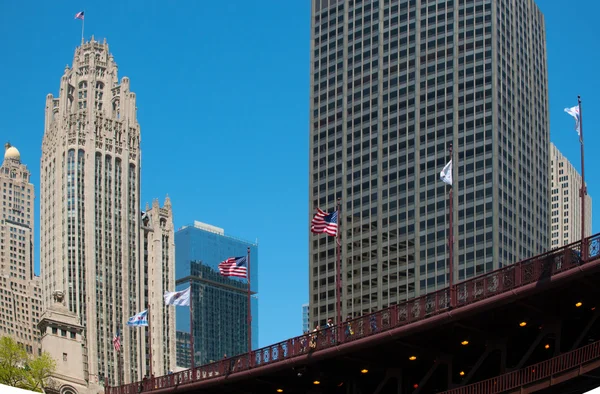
pixel 553 367
pixel 472 296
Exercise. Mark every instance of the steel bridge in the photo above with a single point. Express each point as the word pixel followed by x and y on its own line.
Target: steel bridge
pixel 529 327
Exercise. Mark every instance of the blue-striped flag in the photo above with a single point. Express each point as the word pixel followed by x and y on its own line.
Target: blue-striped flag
pixel 141 319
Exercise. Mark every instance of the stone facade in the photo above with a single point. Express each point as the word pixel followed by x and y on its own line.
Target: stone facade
pixel 566 201
pixel 158 252
pixel 19 287
pixel 90 213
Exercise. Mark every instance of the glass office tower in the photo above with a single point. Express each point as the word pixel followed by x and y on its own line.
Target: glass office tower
pixel 219 304
pixel 393 84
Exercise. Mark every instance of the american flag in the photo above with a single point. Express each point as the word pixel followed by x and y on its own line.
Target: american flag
pixel 234 266
pixel 79 15
pixel 117 341
pixel 324 222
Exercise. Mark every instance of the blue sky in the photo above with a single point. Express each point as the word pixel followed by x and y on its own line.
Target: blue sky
pixel 222 90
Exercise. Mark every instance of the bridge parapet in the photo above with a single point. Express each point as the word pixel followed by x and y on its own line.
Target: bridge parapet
pixel 471 291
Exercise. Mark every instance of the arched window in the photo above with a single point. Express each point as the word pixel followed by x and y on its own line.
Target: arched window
pixel 68 390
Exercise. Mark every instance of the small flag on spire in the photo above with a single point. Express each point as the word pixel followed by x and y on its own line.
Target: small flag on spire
pixel 446 174
pixel 574 112
pixel 79 15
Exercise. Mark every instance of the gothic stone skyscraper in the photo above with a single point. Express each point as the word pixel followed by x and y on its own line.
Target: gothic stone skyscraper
pixel 90 216
pixel 19 288
pixel 393 83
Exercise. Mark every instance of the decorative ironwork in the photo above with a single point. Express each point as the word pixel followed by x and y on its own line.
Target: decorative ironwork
pixel 533 373
pixel 467 292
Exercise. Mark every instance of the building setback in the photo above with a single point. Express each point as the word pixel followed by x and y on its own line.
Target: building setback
pixel 20 289
pixel 219 304
pixel 90 214
pixel 158 254
pixel 566 201
pixel 393 84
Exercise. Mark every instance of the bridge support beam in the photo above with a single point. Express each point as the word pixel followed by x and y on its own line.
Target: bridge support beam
pixel 586 329
pixel 491 347
pixel 552 328
pixel 390 374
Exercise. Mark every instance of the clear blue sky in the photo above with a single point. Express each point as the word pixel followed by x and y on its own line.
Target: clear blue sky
pixel 222 90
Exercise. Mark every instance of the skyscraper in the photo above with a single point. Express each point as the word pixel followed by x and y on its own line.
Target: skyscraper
pixel 19 288
pixel 393 84
pixel 566 201
pixel 305 319
pixel 219 304
pixel 90 212
pixel 158 254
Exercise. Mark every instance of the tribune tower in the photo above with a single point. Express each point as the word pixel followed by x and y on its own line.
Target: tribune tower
pixel 90 216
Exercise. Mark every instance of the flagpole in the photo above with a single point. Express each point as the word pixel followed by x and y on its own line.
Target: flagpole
pixel 119 362
pixel 193 363
pixel 249 306
pixel 338 240
pixel 583 191
pixel 150 341
pixel 82 26
pixel 451 234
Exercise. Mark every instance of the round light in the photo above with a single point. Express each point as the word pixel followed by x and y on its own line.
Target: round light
pixel 412 358
pixel 523 324
pixel 462 373
pixel 316 382
pixel 547 346
pixel 464 343
pixel 279 390
pixel 593 308
pixel 364 370
pixel 579 304
pixel 415 386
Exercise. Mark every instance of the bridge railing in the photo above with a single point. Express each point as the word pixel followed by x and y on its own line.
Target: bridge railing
pixel 464 293
pixel 534 373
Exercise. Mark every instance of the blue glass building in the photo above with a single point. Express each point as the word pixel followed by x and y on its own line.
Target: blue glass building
pixel 219 304
pixel 305 318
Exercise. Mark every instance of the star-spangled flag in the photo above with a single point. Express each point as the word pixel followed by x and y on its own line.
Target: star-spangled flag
pixel 141 319
pixel 446 174
pixel 574 112
pixel 234 266
pixel 117 341
pixel 79 15
pixel 181 298
pixel 324 222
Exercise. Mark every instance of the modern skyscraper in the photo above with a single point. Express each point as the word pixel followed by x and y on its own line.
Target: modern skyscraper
pixel 305 319
pixel 158 253
pixel 90 213
pixel 394 83
pixel 219 304
pixel 566 201
pixel 19 288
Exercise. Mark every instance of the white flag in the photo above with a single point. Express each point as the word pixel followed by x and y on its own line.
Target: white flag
pixel 181 298
pixel 141 319
pixel 574 112
pixel 446 174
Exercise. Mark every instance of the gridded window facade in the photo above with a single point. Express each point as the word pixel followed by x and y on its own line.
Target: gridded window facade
pixel 219 304
pixel 90 215
pixel 394 83
pixel 565 202
pixel 20 290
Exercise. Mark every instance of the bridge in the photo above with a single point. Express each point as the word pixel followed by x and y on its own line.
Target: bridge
pixel 529 327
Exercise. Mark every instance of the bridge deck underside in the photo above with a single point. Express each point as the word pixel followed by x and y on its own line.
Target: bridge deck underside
pixel 497 343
